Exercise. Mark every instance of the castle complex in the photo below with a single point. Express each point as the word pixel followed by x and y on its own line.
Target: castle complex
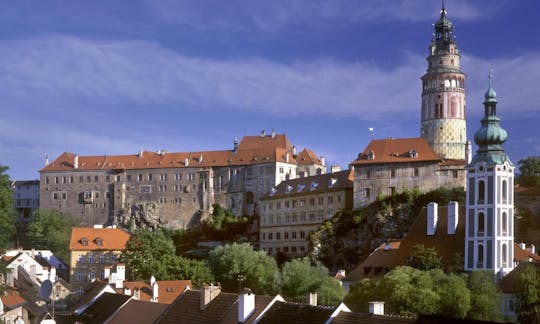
pixel 172 189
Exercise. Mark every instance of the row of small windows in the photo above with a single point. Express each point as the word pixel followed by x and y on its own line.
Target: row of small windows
pixel 285 249
pixel 302 202
pixel 503 261
pixel 92 259
pixel 118 178
pixel 393 173
pixel 481 197
pixel 277 236
pixel 443 83
pixel 279 219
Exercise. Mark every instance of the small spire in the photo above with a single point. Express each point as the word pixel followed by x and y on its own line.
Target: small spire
pixel 443 10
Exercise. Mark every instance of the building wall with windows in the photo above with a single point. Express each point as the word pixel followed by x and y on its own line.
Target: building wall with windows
pixel 296 207
pixel 394 165
pixel 92 250
pixel 25 198
pixel 167 189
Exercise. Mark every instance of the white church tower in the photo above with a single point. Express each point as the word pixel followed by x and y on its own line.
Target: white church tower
pixel 489 236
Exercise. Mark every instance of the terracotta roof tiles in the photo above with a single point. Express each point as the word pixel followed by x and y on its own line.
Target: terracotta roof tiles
pixel 168 290
pixel 110 238
pixel 396 150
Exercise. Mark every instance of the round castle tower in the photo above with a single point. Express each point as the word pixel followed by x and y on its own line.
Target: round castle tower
pixel 443 95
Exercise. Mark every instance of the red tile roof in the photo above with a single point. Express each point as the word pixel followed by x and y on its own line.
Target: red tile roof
pixel 376 264
pixel 111 238
pixel 307 157
pixel 251 150
pixel 168 290
pixel 396 150
pixel 136 311
pixel 12 299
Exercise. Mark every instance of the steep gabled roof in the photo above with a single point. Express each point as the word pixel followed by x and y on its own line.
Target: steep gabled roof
pixel 103 308
pixel 397 150
pixel 307 157
pixel 313 184
pixel 251 150
pixel 283 312
pixel 112 239
pixel 137 311
pixel 168 290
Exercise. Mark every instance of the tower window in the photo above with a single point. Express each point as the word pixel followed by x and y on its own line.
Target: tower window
pixel 504 192
pixel 504 256
pixel 481 192
pixel 480 263
pixel 481 224
pixel 504 224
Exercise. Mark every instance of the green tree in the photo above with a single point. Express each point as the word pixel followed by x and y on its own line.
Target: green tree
pixel 485 298
pixel 7 225
pixel 409 291
pixel 423 258
pixel 152 253
pixel 300 277
pixel 529 170
pixel 51 230
pixel 238 264
pixel 528 294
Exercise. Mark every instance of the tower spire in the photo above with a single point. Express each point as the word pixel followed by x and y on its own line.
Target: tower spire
pixel 443 10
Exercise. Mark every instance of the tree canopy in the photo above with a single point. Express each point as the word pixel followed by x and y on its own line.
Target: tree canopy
pixel 238 264
pixel 423 258
pixel 528 294
pixel 410 291
pixel 529 169
pixel 300 277
pixel 51 230
pixel 152 253
pixel 7 226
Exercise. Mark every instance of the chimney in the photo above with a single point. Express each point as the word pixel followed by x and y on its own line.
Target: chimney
pixel 376 307
pixel 76 162
pixel 235 145
pixel 186 162
pixel 46 160
pixel 136 293
pixel 323 161
pixel 208 293
pixel 246 305
pixel 532 249
pixel 522 246
pixel 335 168
pixel 106 272
pixel 287 157
pixel 141 153
pixel 294 150
pixel 453 217
pixel 263 133
pixel 273 133
pixel 201 158
pixel 432 215
pixel 312 298
pixel 127 291
pixel 152 280
pixel 52 274
pixel 155 292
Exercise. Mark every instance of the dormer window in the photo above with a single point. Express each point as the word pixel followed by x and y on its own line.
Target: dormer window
pixel 273 191
pixel 314 185
pixel 288 189
pixel 413 154
pixel 84 241
pixel 300 187
pixel 332 182
pixel 99 241
pixel 371 155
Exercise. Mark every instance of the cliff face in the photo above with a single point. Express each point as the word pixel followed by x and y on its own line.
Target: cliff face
pixel 350 236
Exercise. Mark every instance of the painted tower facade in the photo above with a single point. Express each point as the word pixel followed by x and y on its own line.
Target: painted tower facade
pixel 489 237
pixel 443 95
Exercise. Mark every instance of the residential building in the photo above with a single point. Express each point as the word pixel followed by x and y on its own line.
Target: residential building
pixel 171 189
pixel 12 308
pixel 443 123
pixel 296 207
pixel 25 198
pixel 394 165
pixel 156 291
pixel 93 253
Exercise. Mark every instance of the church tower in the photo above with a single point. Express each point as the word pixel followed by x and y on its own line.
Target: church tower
pixel 443 94
pixel 489 236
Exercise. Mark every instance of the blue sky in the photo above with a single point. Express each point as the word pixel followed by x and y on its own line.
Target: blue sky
pixel 115 77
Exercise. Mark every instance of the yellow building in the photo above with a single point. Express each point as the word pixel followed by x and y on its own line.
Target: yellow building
pixel 92 250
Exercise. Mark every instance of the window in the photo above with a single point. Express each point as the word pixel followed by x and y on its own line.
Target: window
pixel 64 195
pixel 178 176
pixel 287 204
pixel 312 201
pixel 96 194
pixel 88 179
pixel 99 241
pixel 367 193
pixel 80 276
pixel 504 224
pixel 455 174
pixel 392 190
pixel 302 202
pixel 55 179
pixel 270 236
pixel 90 258
pixel 107 178
pixel 129 177
pixel 102 258
pixel 480 263
pixel 96 178
pixel 368 174
pixel 481 192
pixel 481 225
pixel 321 200
pixel 150 177
pixel 293 235
pixel 46 180
pixel 302 235
pixel 55 195
pixel 113 258
pixel 278 236
pixel 392 173
pixel 416 172
pixel 280 169
pixel 504 192
pixel 140 177
pixel 504 256
pixel 146 189
pixel 294 203
pixel 163 177
pixel 118 178
pixel 108 194
pixel 293 249
pixel 263 236
pixel 330 200
pixel 286 235
pixel 311 216
pixel 278 205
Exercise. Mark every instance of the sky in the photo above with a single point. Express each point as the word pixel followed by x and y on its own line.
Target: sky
pixel 115 77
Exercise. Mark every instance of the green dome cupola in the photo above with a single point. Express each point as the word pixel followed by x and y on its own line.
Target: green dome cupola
pixel 491 135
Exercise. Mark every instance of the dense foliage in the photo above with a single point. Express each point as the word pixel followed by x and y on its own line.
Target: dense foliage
pixel 349 237
pixel 529 172
pixel 238 264
pixel 423 258
pixel 152 253
pixel 299 277
pixel 51 230
pixel 7 227
pixel 528 294
pixel 409 291
pixel 221 226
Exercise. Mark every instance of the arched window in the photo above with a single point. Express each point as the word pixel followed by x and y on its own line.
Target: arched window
pixel 504 192
pixel 504 256
pixel 481 224
pixel 481 191
pixel 504 224
pixel 480 263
